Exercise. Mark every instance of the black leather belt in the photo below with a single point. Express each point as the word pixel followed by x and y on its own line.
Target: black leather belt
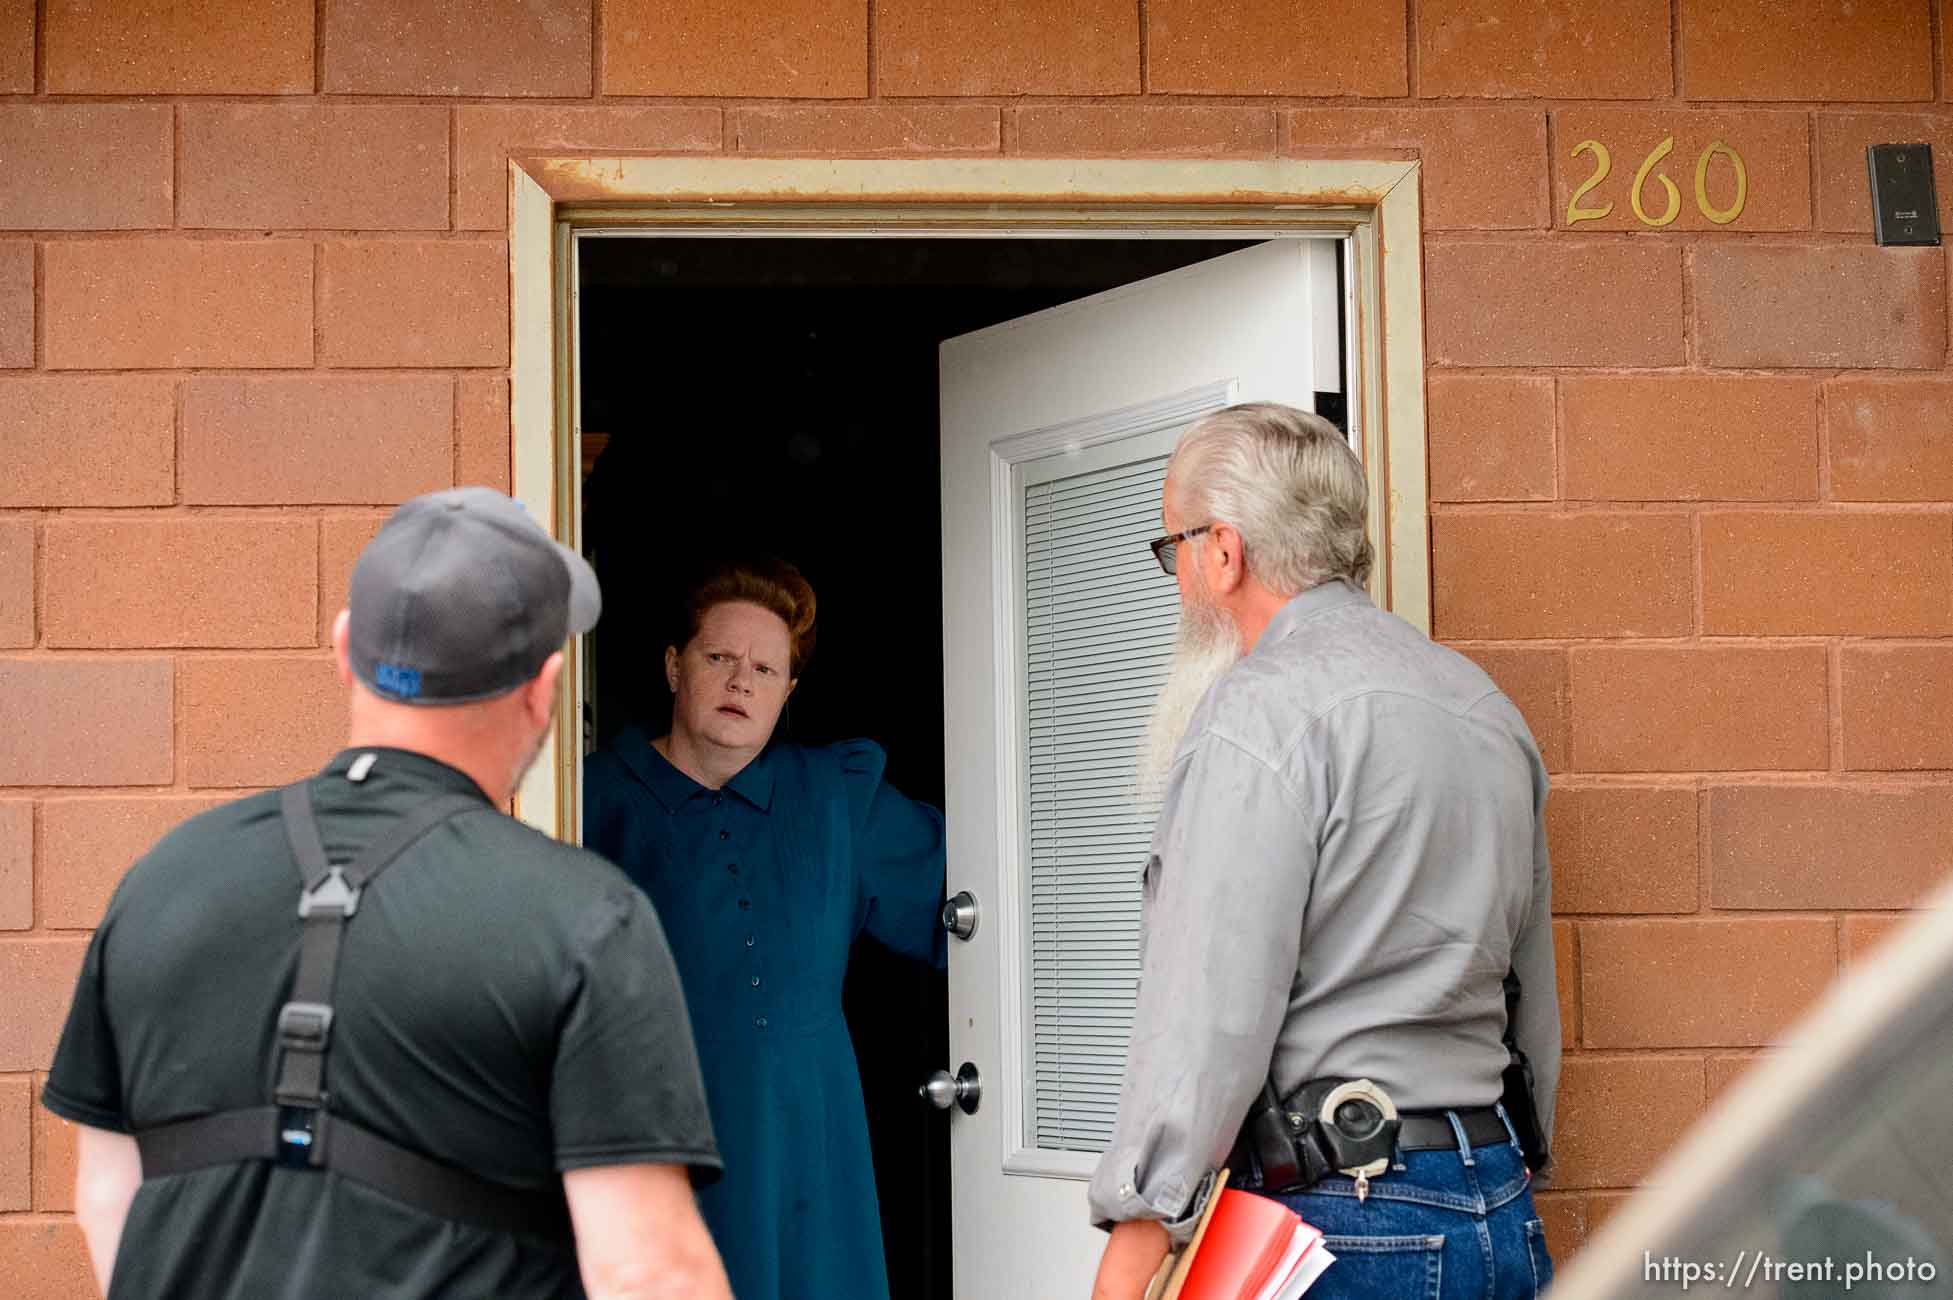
pixel 1430 1130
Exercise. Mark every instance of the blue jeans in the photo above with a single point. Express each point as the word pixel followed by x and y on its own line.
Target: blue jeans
pixel 1439 1225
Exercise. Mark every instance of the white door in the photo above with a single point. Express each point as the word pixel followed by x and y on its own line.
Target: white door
pixel 1057 628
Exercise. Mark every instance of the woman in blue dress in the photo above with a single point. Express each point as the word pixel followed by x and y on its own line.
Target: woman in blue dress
pixel 765 860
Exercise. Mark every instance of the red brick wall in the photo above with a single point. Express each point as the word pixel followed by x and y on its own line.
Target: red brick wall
pixel 1691 486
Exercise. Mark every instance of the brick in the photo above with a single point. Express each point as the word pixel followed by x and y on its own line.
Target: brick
pixel 1490 438
pixel 1808 50
pixel 85 722
pixel 1827 848
pixel 1894 706
pixel 1698 708
pixel 490 47
pixel 17 47
pixel 1507 303
pixel 1566 973
pixel 1257 47
pixel 1555 49
pixel 88 440
pixel 483 440
pixel 85 166
pixel 1484 168
pixel 341 539
pixel 1843 192
pixel 793 49
pixel 355 440
pixel 39 976
pixel 1623 849
pixel 16 583
pixel 44 1259
pixel 1617 1116
pixel 1775 149
pixel 1565 1217
pixel 182 582
pixel 315 166
pixel 865 130
pixel 16 864
pixel 1180 131
pixel 1888 439
pixel 1780 305
pixel 1516 576
pixel 1028 47
pixel 54 1161
pixel 415 303
pixel 1805 574
pixel 180 47
pixel 1690 437
pixel 88 844
pixel 16 305
pixel 1864 935
pixel 1701 983
pixel 1725 1071
pixel 486 136
pixel 16 1144
pixel 1536 681
pixel 261 721
pixel 167 303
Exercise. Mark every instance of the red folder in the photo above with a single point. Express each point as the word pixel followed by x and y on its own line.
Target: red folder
pixel 1244 1241
pixel 1244 1247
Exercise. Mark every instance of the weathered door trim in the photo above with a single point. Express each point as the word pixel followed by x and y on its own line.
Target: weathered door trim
pixel 552 200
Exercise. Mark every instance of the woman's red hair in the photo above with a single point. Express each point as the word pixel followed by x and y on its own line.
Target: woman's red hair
pixel 773 585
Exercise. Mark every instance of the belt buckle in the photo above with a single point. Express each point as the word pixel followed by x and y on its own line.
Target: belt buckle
pixel 1359 1124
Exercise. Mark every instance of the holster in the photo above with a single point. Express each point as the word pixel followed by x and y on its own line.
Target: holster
pixel 1521 1110
pixel 1281 1147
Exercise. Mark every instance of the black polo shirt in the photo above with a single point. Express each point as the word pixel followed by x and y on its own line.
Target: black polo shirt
pixel 505 1003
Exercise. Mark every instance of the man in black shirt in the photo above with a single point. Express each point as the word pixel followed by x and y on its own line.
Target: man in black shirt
pixel 504 1028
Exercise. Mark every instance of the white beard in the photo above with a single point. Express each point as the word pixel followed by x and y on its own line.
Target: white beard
pixel 1207 646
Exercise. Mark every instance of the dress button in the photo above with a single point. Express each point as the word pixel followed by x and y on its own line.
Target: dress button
pixel 760 1023
pixel 755 981
pixel 750 941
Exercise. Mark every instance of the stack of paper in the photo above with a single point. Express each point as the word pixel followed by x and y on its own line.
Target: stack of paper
pixel 1247 1247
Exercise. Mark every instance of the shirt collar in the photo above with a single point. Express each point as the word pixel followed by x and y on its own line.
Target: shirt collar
pixel 407 767
pixel 672 788
pixel 1313 603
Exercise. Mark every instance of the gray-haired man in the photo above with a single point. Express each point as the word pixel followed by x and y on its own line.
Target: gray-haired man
pixel 470 1075
pixel 1349 859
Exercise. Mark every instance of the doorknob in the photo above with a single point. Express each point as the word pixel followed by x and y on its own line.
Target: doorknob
pixel 964 1088
pixel 960 915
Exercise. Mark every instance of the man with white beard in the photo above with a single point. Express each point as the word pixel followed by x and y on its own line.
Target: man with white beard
pixel 1350 858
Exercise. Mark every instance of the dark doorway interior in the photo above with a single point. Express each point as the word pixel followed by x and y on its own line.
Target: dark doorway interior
pixel 780 395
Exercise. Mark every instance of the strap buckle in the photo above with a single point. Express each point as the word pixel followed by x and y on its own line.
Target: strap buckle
pixel 333 894
pixel 304 1026
pixel 299 1131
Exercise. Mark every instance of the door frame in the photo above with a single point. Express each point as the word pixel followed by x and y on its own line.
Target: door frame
pixel 553 201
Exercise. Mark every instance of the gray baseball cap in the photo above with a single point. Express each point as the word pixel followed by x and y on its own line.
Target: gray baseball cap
pixel 462 596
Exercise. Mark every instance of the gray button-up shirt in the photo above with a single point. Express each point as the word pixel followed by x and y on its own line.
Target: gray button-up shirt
pixel 1350 854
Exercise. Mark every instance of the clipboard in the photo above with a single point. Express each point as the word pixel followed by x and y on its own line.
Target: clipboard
pixel 1172 1274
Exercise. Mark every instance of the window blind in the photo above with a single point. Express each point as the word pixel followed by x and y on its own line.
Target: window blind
pixel 1099 624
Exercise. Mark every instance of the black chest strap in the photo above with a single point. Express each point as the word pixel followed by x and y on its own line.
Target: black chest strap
pixel 300 1130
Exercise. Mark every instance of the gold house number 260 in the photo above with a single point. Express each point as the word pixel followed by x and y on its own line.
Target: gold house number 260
pixel 1671 197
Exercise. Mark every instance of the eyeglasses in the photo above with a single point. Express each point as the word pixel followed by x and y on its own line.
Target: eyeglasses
pixel 1166 549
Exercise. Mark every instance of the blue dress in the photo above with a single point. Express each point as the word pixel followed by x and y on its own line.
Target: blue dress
pixel 762 888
